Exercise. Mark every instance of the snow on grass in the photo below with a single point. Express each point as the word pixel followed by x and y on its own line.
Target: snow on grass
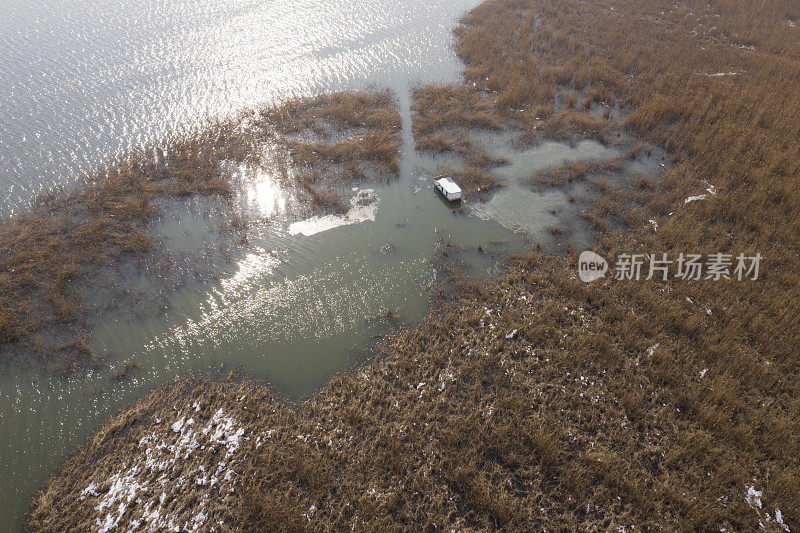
pixel 91 490
pixel 146 491
pixel 225 432
pixel 753 497
pixel 779 520
pixel 444 378
pixel 710 189
pixel 122 490
pixel 694 198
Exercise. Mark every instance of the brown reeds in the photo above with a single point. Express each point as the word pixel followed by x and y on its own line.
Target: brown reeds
pixel 445 119
pixel 47 254
pixel 536 401
pixel 438 108
pixel 345 129
pixel 576 171
pixel 338 139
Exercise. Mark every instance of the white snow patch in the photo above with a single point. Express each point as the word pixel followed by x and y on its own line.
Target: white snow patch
pixel 364 208
pixel 91 490
pixel 779 520
pixel 693 198
pixel 225 432
pixel 753 497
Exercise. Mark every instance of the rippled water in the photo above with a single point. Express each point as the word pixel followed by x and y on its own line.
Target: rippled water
pixel 83 81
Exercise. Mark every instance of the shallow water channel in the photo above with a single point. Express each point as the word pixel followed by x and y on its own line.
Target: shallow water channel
pixel 301 300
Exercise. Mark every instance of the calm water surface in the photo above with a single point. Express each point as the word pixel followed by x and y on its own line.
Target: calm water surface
pixel 82 82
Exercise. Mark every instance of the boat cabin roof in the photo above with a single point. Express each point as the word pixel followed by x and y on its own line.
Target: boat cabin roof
pixel 448 185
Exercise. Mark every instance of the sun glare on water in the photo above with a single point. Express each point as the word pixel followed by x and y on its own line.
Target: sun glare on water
pixel 265 195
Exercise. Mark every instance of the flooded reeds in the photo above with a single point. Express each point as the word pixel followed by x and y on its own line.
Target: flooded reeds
pixel 67 242
pixel 536 401
pixel 438 108
pixel 445 121
pixel 336 140
pixel 48 254
pixel 475 181
pixel 348 129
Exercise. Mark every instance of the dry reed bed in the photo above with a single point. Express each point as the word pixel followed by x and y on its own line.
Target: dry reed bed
pixel 536 401
pixel 51 254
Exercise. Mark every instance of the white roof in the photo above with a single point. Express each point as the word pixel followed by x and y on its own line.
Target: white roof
pixel 448 185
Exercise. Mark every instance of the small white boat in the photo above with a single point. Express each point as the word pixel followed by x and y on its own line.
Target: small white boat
pixel 448 188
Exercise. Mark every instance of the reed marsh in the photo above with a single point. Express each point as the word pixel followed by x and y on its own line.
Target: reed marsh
pixel 68 244
pixel 536 401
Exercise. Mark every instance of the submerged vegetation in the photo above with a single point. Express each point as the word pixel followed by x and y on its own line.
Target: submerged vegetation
pixel 49 253
pixel 338 139
pixel 444 118
pixel 536 401
pixel 67 242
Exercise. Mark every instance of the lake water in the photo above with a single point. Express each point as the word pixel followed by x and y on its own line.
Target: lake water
pixel 82 82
